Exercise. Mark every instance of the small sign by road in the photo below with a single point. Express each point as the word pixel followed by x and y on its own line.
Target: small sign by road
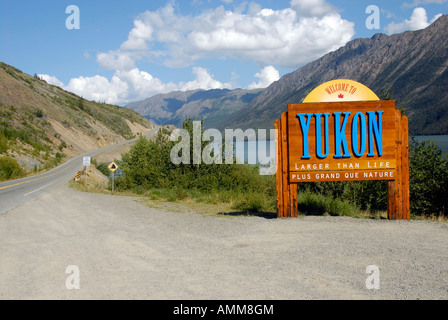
pixel 86 161
pixel 113 167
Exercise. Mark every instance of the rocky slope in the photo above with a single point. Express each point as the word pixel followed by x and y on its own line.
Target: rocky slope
pixel 42 124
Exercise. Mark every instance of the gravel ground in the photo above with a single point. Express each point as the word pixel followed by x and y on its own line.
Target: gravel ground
pixel 126 250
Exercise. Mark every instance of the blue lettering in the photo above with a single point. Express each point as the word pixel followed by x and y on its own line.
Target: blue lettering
pixel 305 128
pixel 362 118
pixel 359 133
pixel 339 135
pixel 319 136
pixel 377 129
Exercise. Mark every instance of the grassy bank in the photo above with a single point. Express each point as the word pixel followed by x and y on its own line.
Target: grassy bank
pixel 228 202
pixel 147 170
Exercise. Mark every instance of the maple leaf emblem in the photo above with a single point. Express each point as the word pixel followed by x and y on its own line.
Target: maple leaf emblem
pixel 341 96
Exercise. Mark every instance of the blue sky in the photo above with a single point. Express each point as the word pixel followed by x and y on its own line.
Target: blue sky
pixel 129 50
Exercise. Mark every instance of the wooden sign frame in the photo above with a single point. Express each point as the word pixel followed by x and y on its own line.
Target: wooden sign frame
pixel 396 154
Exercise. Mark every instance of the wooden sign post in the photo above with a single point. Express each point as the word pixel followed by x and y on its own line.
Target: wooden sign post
pixel 343 141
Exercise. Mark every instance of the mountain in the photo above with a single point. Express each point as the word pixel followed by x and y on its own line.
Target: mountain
pixel 41 124
pixel 412 66
pixel 211 105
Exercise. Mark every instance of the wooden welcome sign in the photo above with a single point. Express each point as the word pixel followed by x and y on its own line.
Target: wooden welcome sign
pixel 342 132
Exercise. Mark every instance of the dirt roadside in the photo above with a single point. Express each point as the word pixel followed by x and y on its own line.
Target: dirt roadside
pixel 126 250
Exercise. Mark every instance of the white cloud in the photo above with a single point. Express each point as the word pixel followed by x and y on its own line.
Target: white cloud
pixel 51 80
pixel 312 8
pixel 204 80
pixel 437 16
pixel 420 2
pixel 86 54
pixel 266 77
pixel 142 85
pixel 116 60
pixel 388 14
pixel 288 37
pixel 132 85
pixel 138 36
pixel 417 21
pixel 268 37
pixel 99 88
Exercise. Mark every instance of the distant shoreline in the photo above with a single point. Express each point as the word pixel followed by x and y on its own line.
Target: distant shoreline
pixel 441 140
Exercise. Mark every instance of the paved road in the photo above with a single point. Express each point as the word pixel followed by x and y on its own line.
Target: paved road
pixel 17 192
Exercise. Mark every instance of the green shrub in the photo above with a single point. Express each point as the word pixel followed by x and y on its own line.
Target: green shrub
pixel 62 146
pixel 159 194
pixel 428 179
pixel 366 195
pixel 252 202
pixel 39 113
pixel 148 166
pixel 3 144
pixel 10 169
pixel 102 167
pixel 318 204
pixel 138 190
pixel 28 135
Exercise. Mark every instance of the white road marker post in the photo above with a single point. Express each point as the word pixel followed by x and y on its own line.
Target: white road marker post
pixel 86 163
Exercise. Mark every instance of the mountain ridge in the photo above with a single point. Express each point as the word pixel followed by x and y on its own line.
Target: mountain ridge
pixel 412 66
pixel 210 105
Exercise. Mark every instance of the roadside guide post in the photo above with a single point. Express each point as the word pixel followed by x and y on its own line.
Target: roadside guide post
pixel 86 163
pixel 113 167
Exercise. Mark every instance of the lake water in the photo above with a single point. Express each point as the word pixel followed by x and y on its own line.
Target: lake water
pixel 441 141
pixel 248 149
